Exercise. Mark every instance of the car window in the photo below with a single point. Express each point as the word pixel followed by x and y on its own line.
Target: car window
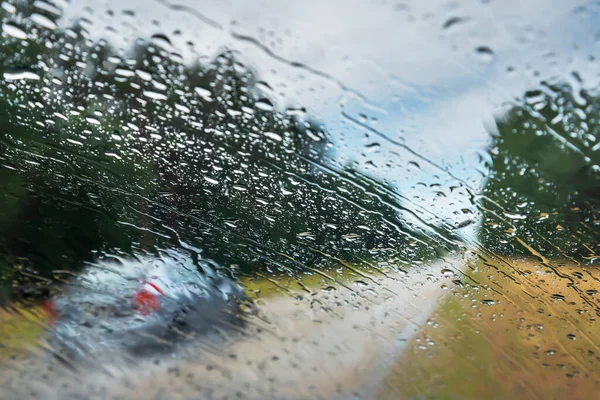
pixel 299 200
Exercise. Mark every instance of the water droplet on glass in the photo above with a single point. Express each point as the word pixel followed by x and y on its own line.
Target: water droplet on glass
pixel 43 21
pixel 453 21
pixel 14 31
pixel 272 135
pixel 485 53
pixel 20 75
pixel 154 95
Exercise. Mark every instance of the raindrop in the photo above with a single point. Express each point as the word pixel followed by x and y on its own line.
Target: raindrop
pixel 274 136
pixel 124 72
pixel 351 237
pixel 21 75
pixel 14 31
pixel 453 21
pixel 557 296
pixel 43 21
pixel 514 215
pixel 485 53
pixel 204 93
pixel 447 272
pixel 93 121
pixel 154 95
pixel 183 108
pixel 372 147
pixel 42 5
pixel 465 223
pixel 9 7
pixel 264 104
pixel 161 39
pixel 143 74
pixel 300 112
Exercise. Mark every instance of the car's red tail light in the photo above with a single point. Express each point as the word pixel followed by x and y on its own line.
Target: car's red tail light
pixel 50 308
pixel 147 298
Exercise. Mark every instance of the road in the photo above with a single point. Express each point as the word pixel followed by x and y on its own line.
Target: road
pixel 327 344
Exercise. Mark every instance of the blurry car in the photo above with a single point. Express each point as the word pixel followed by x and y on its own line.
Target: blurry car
pixel 142 306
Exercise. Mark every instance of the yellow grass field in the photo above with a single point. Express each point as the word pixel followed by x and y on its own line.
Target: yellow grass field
pixel 524 329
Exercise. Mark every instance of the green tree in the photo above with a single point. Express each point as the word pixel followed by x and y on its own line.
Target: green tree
pixel 105 152
pixel 544 182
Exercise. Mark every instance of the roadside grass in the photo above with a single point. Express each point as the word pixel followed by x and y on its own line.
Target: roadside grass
pixel 21 328
pixel 517 329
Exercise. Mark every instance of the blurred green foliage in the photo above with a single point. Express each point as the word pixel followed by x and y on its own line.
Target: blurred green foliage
pixel 544 183
pixel 111 153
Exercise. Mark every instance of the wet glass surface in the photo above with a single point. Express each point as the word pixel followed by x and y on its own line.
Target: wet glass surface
pixel 298 200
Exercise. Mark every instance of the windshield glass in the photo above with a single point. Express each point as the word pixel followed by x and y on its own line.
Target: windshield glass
pixel 299 200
